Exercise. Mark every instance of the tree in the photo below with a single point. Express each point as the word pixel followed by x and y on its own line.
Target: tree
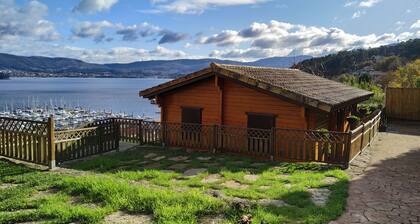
pixel 406 76
pixel 418 82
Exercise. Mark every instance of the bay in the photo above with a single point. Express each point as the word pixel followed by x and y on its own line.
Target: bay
pixel 113 94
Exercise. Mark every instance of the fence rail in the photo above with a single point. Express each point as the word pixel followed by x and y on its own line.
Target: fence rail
pixel 38 142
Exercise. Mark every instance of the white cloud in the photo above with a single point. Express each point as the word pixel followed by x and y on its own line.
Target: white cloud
pixel 281 39
pixel 416 25
pixel 92 6
pixel 27 21
pixel 369 3
pixel 358 14
pixel 93 30
pixel 351 3
pixel 198 6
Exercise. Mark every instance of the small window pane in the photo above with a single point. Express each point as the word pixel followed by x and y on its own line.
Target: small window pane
pixel 260 121
pixel 191 115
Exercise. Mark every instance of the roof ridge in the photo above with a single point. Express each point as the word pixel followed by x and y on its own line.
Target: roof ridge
pixel 252 66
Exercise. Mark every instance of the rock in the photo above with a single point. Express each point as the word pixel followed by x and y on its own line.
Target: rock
pixel 212 178
pixel 251 177
pixel 122 217
pixel 319 195
pixel 267 202
pixel 150 155
pixel 193 172
pixel 234 185
pixel 179 158
pixel 245 219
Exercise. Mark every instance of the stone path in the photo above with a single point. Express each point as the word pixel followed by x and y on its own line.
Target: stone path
pixel 388 191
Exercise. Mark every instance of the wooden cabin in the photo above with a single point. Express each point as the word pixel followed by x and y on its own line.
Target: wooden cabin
pixel 256 97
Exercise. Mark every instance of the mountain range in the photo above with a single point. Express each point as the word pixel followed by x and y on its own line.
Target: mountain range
pixel 47 66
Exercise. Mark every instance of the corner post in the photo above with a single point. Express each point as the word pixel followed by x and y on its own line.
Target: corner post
pixel 347 149
pixel 273 143
pixel 117 133
pixel 51 142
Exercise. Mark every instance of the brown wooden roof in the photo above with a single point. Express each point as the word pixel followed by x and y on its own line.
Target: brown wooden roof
pixel 296 85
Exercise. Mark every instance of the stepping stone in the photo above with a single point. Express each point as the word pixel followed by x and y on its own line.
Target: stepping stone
pixel 208 219
pixel 179 158
pixel 178 166
pixel 234 185
pixel 212 178
pixel 143 162
pixel 43 194
pixel 330 180
pixel 152 166
pixel 78 201
pixel 264 187
pixel 319 195
pixel 288 186
pixel 272 202
pixel 150 155
pixel 193 172
pixel 204 158
pixel 159 158
pixel 257 164
pixel 7 186
pixel 251 177
pixel 122 217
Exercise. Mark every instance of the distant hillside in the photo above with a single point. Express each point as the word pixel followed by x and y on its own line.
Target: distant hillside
pixel 381 59
pixel 45 66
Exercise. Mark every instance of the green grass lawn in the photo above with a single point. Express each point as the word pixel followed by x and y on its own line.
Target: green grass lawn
pixel 173 186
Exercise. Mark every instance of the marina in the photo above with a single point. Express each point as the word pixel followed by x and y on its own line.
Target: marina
pixel 66 118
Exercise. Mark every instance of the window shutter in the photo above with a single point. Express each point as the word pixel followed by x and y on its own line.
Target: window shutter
pixel 261 121
pixel 191 115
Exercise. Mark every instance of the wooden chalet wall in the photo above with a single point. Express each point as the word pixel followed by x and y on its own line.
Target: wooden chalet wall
pixel 226 102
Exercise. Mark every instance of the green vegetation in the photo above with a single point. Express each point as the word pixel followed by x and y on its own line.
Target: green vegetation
pixel 385 58
pixel 407 76
pixel 365 82
pixel 156 182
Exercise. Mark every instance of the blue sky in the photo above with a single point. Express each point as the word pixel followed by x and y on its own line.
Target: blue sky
pixel 130 30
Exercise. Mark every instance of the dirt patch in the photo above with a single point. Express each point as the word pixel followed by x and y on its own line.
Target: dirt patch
pixel 251 177
pixel 272 202
pixel 122 217
pixel 217 219
pixel 178 158
pixel 193 172
pixel 234 185
pixel 212 178
pixel 150 155
pixel 319 195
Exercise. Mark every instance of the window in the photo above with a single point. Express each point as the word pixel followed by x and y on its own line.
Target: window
pixel 191 125
pixel 191 115
pixel 261 121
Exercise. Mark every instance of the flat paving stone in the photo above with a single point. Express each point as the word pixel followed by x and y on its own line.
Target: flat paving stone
pixel 204 158
pixel 385 178
pixel 251 177
pixel 234 185
pixel 150 155
pixel 319 195
pixel 159 158
pixel 212 178
pixel 178 166
pixel 193 172
pixel 122 217
pixel 330 180
pixel 272 202
pixel 212 219
pixel 7 186
pixel 178 158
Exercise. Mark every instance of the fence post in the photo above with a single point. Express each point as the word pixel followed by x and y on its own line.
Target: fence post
pixel 273 143
pixel 140 137
pixel 51 142
pixel 215 140
pixel 163 134
pixel 347 149
pixel 362 137
pixel 117 133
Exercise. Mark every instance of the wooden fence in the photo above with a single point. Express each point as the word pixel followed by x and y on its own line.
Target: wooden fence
pixel 26 140
pixel 403 103
pixel 38 142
